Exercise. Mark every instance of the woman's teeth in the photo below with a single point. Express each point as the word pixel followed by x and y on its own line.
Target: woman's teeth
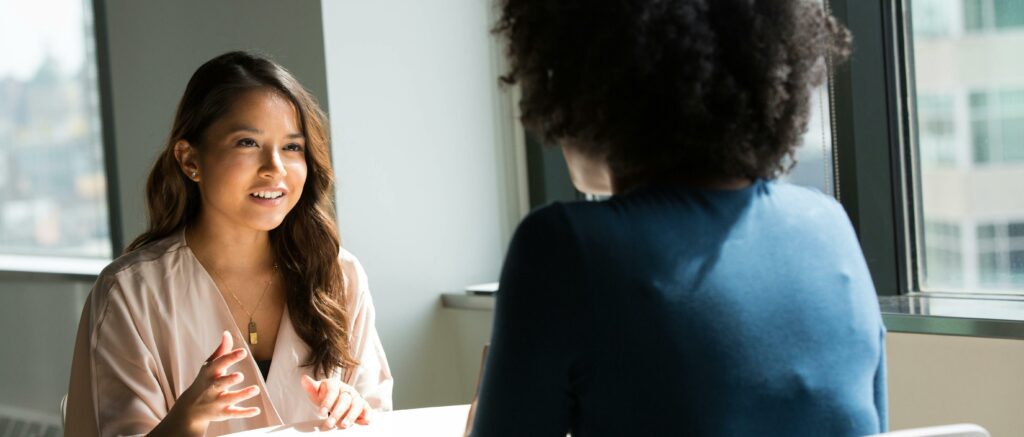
pixel 267 194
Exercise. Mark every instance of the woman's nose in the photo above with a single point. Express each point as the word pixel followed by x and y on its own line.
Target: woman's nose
pixel 273 166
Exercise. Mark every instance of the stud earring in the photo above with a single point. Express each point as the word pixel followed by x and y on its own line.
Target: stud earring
pixel 193 174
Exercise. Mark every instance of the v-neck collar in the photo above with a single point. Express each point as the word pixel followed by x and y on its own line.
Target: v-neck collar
pixel 272 391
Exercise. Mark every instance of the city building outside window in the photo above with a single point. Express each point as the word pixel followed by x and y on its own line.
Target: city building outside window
pixel 53 196
pixel 985 15
pixel 968 79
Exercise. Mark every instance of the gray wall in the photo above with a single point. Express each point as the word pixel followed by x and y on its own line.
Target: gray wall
pixel 421 154
pixel 38 318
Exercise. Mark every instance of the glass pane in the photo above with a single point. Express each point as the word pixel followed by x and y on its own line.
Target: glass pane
pixel 936 19
pixel 970 137
pixel 972 13
pixel 979 142
pixel 52 185
pixel 1009 13
pixel 1011 134
pixel 937 129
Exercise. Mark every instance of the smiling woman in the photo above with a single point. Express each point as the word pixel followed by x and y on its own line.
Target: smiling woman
pixel 240 235
pixel 253 165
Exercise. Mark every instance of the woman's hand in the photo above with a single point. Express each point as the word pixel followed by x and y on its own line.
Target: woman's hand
pixel 209 398
pixel 340 402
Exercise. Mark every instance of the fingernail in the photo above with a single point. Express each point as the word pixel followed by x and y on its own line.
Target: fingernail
pixel 330 422
pixel 346 424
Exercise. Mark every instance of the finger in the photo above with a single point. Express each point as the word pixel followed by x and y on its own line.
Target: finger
pixel 233 412
pixel 354 411
pixel 367 416
pixel 232 397
pixel 223 347
pixel 220 365
pixel 329 390
pixel 312 388
pixel 227 381
pixel 340 409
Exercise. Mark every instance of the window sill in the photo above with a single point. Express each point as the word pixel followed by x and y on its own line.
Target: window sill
pixel 918 313
pixel 25 266
pixel 955 314
pixel 463 301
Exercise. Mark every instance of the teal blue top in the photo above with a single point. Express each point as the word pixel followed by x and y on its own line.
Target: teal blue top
pixel 676 311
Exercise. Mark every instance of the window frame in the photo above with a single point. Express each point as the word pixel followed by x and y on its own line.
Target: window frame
pixel 878 173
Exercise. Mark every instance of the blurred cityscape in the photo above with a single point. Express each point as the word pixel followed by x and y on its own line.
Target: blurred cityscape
pixel 53 198
pixel 969 76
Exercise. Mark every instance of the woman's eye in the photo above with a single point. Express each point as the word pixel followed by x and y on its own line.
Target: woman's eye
pixel 293 148
pixel 247 142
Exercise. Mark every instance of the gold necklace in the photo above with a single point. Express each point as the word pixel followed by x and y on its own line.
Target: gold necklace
pixel 253 334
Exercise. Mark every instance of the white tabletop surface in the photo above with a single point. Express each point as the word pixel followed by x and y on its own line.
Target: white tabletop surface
pixel 426 422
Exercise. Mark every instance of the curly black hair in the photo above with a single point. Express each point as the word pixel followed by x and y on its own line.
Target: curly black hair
pixel 671 88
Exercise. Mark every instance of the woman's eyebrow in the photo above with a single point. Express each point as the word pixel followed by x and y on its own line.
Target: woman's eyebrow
pixel 250 129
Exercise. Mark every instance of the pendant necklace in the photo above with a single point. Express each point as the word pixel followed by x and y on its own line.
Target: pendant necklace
pixel 253 334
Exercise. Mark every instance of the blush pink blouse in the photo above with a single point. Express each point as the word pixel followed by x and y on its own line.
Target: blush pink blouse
pixel 155 315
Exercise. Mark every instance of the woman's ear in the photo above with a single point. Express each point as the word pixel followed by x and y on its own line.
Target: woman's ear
pixel 187 159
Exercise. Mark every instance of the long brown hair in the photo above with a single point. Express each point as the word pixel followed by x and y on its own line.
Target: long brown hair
pixel 306 244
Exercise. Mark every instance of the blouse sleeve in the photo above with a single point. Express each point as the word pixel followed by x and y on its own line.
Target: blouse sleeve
pixel 372 377
pixel 114 389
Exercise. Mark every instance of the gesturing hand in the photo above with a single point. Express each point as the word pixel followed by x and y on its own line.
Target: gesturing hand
pixel 209 399
pixel 340 402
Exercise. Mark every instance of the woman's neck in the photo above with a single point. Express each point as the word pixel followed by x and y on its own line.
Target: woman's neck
pixel 229 249
pixel 704 183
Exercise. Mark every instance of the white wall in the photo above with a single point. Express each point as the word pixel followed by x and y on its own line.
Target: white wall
pixel 936 380
pixel 422 163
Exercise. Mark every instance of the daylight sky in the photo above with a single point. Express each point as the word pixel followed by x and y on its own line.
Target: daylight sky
pixel 31 28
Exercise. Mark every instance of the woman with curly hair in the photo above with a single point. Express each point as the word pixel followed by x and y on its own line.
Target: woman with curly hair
pixel 241 260
pixel 704 297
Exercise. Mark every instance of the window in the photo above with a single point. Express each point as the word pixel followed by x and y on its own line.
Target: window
pixel 53 196
pixel 969 105
pixel 937 129
pixel 1001 255
pixel 944 257
pixel 935 18
pixel 997 126
pixel 982 15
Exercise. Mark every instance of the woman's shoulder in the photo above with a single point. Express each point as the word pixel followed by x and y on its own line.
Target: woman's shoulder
pixel 129 270
pixel 356 283
pixel 808 203
pixel 799 194
pixel 152 253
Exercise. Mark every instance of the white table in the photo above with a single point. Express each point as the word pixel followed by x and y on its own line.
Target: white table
pixel 426 422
